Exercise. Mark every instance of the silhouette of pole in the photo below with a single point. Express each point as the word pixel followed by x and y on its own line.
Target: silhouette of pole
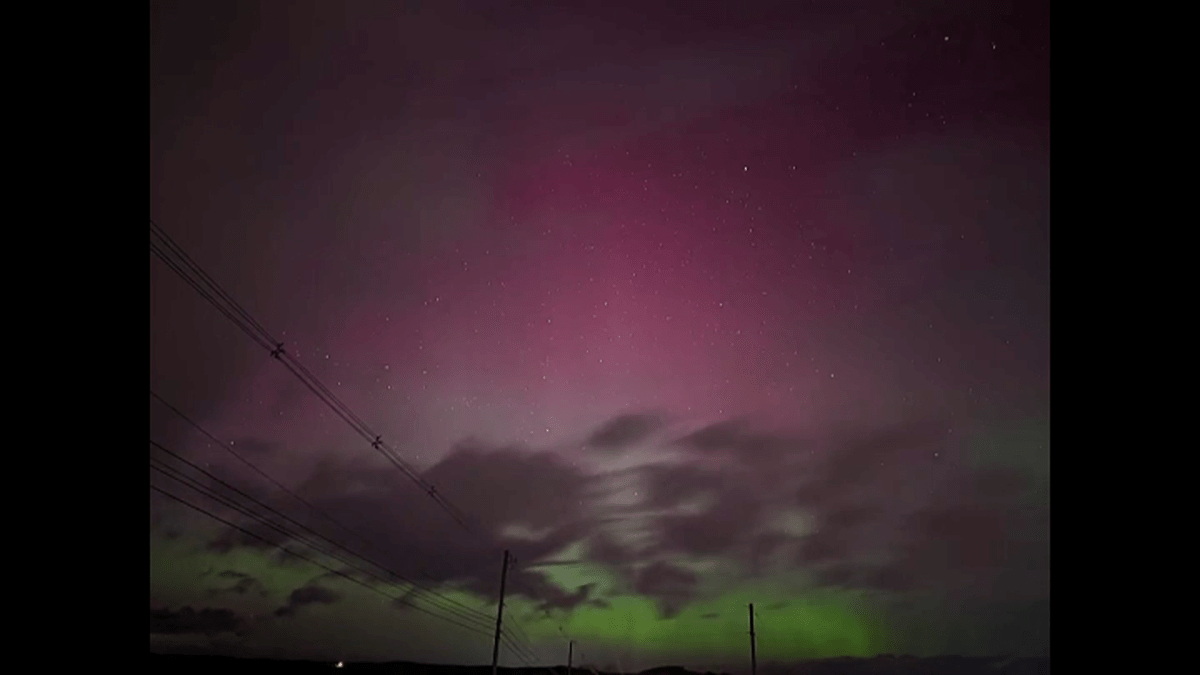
pixel 753 655
pixel 499 614
pixel 570 654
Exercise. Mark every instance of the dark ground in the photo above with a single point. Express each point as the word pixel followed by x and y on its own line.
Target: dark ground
pixel 882 665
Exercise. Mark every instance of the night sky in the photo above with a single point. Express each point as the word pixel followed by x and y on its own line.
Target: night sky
pixel 689 305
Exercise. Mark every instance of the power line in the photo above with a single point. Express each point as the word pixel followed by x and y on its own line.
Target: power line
pixel 208 288
pixel 177 476
pixel 258 470
pixel 211 291
pixel 520 630
pixel 521 654
pixel 243 530
pixel 174 266
pixel 228 448
pixel 472 616
pixel 521 651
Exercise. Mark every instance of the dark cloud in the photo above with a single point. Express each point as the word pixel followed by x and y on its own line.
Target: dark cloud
pixel 771 457
pixel 762 548
pixel 859 456
pixel 890 578
pixel 823 546
pixel 732 509
pixel 716 437
pixel 836 575
pixel 554 563
pixel 506 486
pixel 714 531
pixel 624 430
pixel 947 541
pixel 229 538
pixel 670 485
pixel 893 508
pixel 187 620
pixel 851 516
pixel 242 584
pixel 569 601
pixel 1001 484
pixel 307 595
pixel 890 512
pixel 605 550
pixel 497 487
pixel 252 448
pixel 671 587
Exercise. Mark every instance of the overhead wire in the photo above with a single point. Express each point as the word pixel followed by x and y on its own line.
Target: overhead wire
pixel 403 599
pixel 228 448
pixel 207 295
pixel 259 471
pixel 415 589
pixel 210 290
pixel 522 652
pixel 516 643
pixel 517 628
pixel 311 560
pixel 216 295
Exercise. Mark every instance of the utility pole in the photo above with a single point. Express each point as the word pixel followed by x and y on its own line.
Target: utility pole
pixel 570 654
pixel 499 614
pixel 753 655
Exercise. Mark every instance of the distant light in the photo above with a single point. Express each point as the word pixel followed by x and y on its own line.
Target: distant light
pixel 340 665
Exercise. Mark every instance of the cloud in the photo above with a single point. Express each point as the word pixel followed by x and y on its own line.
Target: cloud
pixel 529 503
pixel 568 602
pixel 892 510
pixel 187 620
pixel 229 539
pixel 242 584
pixel 999 484
pixel 725 524
pixel 307 595
pixel 720 436
pixel 772 457
pixel 823 546
pixel 505 486
pixel 671 587
pixel 670 485
pixel 623 431
pixel 861 455
pixel 886 508
pixel 254 447
pixel 604 549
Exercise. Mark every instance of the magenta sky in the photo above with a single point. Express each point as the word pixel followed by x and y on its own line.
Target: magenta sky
pixel 513 225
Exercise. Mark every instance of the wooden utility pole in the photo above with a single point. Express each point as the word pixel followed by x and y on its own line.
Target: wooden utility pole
pixel 499 614
pixel 753 654
pixel 570 654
